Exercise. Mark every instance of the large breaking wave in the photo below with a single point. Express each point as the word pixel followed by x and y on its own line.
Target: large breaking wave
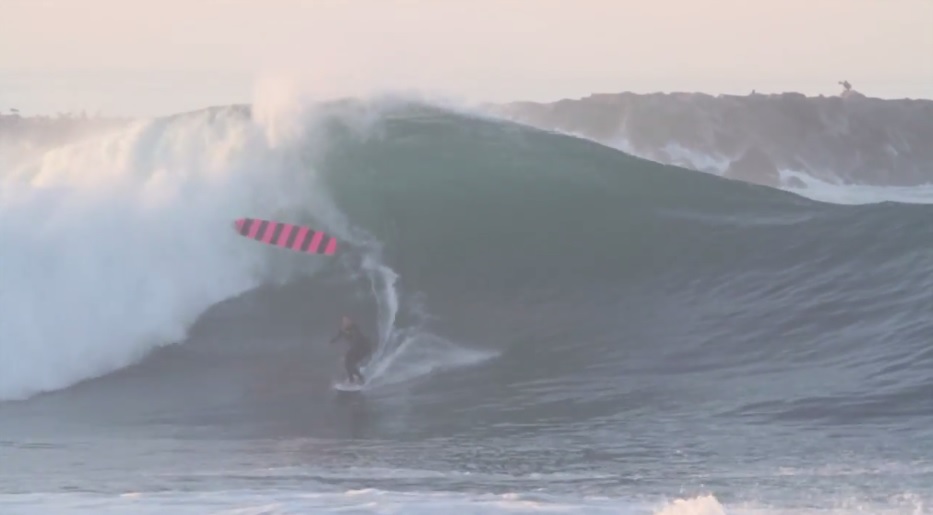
pixel 468 238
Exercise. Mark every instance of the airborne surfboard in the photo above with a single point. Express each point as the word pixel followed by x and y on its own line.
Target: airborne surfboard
pixel 295 237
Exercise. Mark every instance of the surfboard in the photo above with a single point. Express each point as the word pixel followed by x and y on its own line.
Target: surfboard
pixel 344 386
pixel 295 237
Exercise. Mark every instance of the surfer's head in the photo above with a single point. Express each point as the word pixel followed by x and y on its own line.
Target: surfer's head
pixel 346 321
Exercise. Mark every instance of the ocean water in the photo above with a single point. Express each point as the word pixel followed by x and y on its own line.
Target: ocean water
pixel 562 327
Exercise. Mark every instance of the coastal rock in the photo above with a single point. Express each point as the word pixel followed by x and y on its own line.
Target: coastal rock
pixel 850 138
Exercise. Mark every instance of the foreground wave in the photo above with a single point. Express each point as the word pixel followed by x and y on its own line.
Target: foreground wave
pixel 601 307
pixel 528 244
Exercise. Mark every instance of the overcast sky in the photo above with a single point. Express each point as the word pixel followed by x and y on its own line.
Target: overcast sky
pixel 153 57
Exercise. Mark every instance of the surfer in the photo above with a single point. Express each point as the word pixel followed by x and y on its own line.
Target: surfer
pixel 360 348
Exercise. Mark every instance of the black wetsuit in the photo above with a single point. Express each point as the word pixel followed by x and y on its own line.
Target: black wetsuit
pixel 360 349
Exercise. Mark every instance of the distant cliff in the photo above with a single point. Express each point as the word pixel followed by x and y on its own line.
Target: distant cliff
pixel 849 138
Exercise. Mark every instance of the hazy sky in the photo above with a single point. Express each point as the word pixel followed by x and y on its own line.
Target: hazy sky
pixel 152 57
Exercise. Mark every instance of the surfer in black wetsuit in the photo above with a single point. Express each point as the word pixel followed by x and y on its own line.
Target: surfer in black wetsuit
pixel 360 348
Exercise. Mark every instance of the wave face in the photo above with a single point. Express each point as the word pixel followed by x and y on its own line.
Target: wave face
pixel 786 140
pixel 587 265
pixel 563 305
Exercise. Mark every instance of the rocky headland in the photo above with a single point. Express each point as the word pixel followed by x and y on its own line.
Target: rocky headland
pixel 846 139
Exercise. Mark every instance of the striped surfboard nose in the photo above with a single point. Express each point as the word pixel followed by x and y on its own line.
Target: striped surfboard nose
pixel 294 237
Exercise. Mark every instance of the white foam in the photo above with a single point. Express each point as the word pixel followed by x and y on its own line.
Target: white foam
pixel 824 191
pixel 815 189
pixel 674 154
pixel 703 505
pixel 420 354
pixel 115 245
pixel 367 500
pixel 376 501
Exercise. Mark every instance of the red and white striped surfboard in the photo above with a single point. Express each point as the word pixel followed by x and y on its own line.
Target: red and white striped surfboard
pixel 295 237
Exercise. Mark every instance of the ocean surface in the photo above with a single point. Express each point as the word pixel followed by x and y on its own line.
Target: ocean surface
pixel 562 327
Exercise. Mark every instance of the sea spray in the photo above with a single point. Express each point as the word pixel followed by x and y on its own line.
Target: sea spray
pixel 113 246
